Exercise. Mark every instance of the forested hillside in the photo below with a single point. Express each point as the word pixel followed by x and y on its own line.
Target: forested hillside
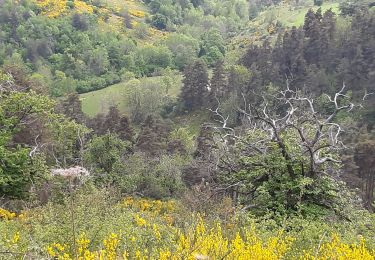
pixel 187 129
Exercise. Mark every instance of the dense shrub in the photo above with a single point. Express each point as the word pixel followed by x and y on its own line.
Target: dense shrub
pixel 100 226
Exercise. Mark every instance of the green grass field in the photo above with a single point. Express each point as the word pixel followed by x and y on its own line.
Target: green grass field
pixel 99 101
pixel 257 30
pixel 291 16
pixel 297 17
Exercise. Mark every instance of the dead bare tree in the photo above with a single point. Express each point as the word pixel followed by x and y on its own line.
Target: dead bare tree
pixel 291 111
pixel 308 140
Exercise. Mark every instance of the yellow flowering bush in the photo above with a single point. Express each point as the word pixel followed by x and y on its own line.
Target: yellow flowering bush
pixel 156 207
pixel 137 13
pixel 12 241
pixel 83 251
pixel 56 8
pixel 141 222
pixel 52 8
pixel 194 243
pixel 5 214
pixel 336 249
pixel 134 23
pixel 203 241
pixel 136 228
pixel 164 209
pixel 82 7
pixel 57 250
pixel 110 247
pixel 211 243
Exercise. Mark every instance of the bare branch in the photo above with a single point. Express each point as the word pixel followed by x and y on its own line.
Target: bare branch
pixel 366 95
pixel 292 110
pixel 36 148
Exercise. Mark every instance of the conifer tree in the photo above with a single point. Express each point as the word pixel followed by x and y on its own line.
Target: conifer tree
pixel 113 122
pixel 195 85
pixel 72 108
pixel 313 45
pixel 112 119
pixel 219 83
pixel 310 18
pixel 329 23
pixel 124 129
pixel 359 68
pixel 153 137
pixel 364 159
pixel 205 142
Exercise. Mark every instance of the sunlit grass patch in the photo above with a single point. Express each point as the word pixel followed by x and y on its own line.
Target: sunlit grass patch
pixel 116 95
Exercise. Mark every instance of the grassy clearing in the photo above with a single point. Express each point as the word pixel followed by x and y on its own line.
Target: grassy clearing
pixel 296 17
pixel 290 16
pixel 258 29
pixel 99 101
pixel 135 4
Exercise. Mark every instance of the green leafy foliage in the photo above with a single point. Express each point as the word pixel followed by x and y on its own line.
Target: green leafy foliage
pixel 105 152
pixel 17 169
pixel 269 187
pixel 27 121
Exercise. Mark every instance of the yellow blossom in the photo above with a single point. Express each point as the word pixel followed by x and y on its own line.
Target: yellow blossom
pixel 16 238
pixel 140 221
pixel 5 214
pixel 52 8
pixel 82 7
pixel 335 249
pixel 111 243
pixel 137 13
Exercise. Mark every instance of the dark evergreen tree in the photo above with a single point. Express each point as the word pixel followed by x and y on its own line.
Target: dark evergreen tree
pixel 124 129
pixel 364 159
pixel 328 51
pixel 218 84
pixel 159 21
pixel 200 170
pixel 80 22
pixel 318 14
pixel 329 23
pixel 309 20
pixel 115 123
pixel 153 137
pixel 195 85
pixel 112 120
pixel 358 68
pixel 312 50
pixel 72 108
pixel 97 124
pixel 292 63
pixel 205 143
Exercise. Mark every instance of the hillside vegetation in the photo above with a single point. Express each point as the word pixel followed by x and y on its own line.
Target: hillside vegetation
pixel 254 31
pixel 187 129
